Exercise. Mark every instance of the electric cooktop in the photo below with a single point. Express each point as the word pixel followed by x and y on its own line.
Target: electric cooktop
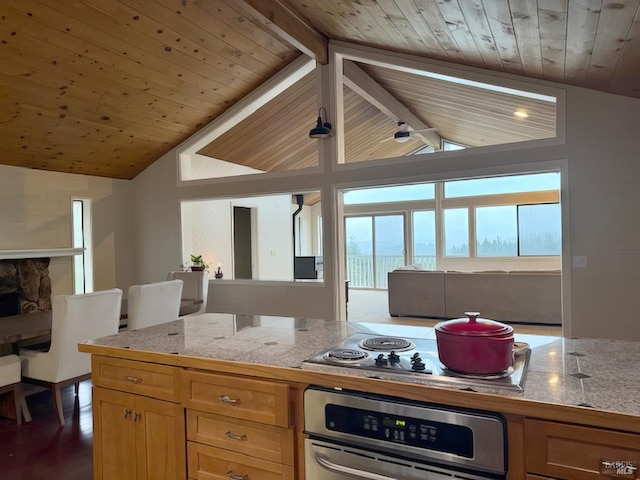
pixel 412 360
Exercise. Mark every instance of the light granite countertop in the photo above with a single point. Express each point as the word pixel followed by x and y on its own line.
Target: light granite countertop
pixel 593 373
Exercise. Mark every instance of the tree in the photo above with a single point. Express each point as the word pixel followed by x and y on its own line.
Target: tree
pixel 352 247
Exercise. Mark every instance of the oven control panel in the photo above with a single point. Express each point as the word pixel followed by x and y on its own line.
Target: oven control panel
pixel 433 435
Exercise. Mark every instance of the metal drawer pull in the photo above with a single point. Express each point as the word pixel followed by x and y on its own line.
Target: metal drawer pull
pixel 226 399
pixel 129 378
pixel 235 436
pixel 343 469
pixel 235 476
pixel 136 416
pixel 126 413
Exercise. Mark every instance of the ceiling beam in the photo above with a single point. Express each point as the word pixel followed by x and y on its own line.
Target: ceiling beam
pixel 280 19
pixel 361 83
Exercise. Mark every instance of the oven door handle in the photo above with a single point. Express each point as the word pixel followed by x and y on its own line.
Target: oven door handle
pixel 335 467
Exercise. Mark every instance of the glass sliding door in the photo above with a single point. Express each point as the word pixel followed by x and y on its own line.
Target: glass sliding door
pixel 374 246
pixel 359 247
pixel 388 237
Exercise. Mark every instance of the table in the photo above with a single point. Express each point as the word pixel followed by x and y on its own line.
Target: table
pixel 16 328
pixel 24 327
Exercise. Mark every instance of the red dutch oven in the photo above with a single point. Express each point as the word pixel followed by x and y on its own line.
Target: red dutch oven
pixel 475 345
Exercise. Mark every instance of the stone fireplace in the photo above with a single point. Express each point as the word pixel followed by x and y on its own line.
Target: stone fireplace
pixel 25 286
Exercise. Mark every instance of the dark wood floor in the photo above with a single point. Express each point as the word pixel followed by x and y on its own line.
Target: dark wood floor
pixel 44 450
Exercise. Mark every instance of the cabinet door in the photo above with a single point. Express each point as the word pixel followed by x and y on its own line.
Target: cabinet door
pixel 114 435
pixel 161 443
pixel 574 452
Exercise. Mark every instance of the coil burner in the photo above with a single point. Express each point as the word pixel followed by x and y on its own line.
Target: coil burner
pixel 387 344
pixel 345 355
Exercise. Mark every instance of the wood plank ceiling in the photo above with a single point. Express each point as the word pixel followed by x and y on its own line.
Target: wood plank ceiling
pixel 105 87
pixel 275 138
pixel 587 43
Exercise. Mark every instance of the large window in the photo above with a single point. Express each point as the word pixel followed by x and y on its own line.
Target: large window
pixel 539 229
pixel 456 232
pixel 423 191
pixel 535 182
pixel 81 233
pixel 505 223
pixel 496 231
pixel 424 239
pixel 518 230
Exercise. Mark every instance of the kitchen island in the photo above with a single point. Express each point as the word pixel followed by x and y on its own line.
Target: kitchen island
pixel 580 406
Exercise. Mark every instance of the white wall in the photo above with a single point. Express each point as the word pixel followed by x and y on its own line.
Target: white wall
pixel 35 212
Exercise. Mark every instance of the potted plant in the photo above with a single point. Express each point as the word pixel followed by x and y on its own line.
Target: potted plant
pixel 198 264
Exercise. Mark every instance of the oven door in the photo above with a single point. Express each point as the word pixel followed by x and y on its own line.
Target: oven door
pixel 331 461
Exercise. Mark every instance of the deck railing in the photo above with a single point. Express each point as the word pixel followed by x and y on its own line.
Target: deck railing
pixel 360 269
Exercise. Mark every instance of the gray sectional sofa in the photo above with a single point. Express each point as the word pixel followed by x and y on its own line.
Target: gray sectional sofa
pixel 514 296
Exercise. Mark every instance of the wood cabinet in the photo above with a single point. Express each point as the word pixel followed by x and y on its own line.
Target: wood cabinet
pixel 136 437
pixel 570 452
pixel 237 427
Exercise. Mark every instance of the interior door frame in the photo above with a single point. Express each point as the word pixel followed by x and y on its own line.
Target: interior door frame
pixel 254 236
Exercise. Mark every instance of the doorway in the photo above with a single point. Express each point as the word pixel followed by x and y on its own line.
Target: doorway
pixel 242 242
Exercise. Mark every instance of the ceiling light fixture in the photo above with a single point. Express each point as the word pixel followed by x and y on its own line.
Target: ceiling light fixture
pixel 403 133
pixel 322 128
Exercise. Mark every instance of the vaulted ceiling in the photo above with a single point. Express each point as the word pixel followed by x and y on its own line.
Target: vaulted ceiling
pixel 105 87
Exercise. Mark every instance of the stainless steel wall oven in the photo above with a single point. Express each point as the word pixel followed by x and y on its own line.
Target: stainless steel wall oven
pixel 355 435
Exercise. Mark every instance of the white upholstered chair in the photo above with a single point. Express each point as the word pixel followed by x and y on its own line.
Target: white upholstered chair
pixel 75 319
pixel 10 381
pixel 195 287
pixel 153 303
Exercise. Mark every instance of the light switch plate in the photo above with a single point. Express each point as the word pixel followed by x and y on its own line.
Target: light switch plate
pixel 579 261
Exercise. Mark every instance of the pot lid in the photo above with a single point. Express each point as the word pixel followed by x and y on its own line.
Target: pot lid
pixel 474 326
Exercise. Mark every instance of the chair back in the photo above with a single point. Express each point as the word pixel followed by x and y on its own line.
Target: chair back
pixel 196 287
pixel 76 319
pixel 153 303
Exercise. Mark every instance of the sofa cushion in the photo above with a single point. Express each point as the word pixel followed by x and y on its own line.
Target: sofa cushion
pixel 416 293
pixel 510 297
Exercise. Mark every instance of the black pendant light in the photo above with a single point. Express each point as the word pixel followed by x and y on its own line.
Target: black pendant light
pixel 322 128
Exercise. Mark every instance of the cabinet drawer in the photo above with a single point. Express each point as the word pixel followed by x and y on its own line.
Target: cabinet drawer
pixel 152 380
pixel 254 400
pixel 249 438
pixel 209 463
pixel 574 452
